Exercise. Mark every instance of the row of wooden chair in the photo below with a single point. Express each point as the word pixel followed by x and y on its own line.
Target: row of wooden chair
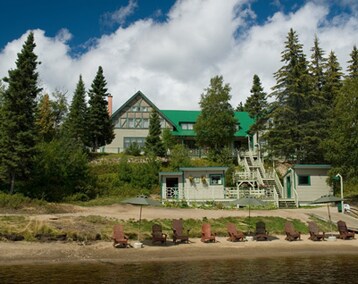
pixel 315 233
pixel 261 234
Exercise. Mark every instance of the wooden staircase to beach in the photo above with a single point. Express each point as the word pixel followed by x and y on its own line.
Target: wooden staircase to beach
pixel 254 169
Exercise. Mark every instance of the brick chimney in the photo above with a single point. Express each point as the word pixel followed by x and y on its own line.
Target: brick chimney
pixel 110 105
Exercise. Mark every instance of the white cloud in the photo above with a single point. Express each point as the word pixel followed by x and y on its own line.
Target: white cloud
pixel 119 16
pixel 172 62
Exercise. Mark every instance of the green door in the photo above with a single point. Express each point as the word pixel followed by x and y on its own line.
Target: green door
pixel 288 185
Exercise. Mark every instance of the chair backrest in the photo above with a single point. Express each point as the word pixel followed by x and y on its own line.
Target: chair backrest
pixel 231 229
pixel 118 232
pixel 342 226
pixel 178 227
pixel 260 228
pixel 313 228
pixel 289 229
pixel 206 230
pixel 156 228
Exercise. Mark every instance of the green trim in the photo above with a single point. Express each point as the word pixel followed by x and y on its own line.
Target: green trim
pixel 221 178
pixel 308 166
pixel 224 169
pixel 304 176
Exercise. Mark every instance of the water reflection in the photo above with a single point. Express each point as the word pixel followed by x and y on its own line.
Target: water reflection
pixel 323 269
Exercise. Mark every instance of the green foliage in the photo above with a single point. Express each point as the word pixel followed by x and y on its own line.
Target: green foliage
pixel 100 128
pixel 297 124
pixel 76 125
pixel 61 169
pixel 140 176
pixel 45 120
pixel 134 149
pixel 256 105
pixel 169 141
pixel 153 142
pixel 353 63
pixel 179 157
pixel 17 122
pixel 216 125
pixel 342 146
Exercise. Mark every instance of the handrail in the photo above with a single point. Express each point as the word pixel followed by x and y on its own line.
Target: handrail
pixel 247 167
pixel 259 178
pixel 295 193
pixel 278 182
pixel 276 198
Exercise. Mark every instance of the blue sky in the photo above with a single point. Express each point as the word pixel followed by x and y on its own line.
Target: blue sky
pixel 170 49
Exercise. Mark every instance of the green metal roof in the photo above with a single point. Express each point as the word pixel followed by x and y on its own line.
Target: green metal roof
pixel 311 166
pixel 203 169
pixel 177 117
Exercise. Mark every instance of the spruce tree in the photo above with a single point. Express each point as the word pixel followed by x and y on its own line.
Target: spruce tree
pixel 342 145
pixel 76 124
pixel 240 107
pixel 17 126
pixel 353 63
pixel 333 79
pixel 216 125
pixel 256 104
pixel 100 128
pixel 316 123
pixel 288 136
pixel 153 142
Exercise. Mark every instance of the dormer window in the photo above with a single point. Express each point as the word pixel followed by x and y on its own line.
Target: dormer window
pixel 187 126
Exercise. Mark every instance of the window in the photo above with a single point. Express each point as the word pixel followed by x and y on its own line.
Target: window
pixel 304 180
pixel 216 179
pixel 187 126
pixel 127 141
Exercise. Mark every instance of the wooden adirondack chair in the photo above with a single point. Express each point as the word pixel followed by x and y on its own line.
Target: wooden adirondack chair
pixel 206 235
pixel 315 234
pixel 158 235
pixel 178 232
pixel 119 238
pixel 234 235
pixel 291 233
pixel 344 234
pixel 261 233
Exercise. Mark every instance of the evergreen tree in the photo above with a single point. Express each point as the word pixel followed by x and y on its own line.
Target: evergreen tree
pixel 256 104
pixel 353 63
pixel 240 107
pixel 76 124
pixel 153 142
pixel 316 122
pixel 333 79
pixel 100 127
pixel 216 125
pixel 288 138
pixel 17 126
pixel 316 67
pixel 45 120
pixel 342 145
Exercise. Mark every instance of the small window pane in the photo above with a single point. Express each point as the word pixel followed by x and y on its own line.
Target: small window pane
pixel 304 180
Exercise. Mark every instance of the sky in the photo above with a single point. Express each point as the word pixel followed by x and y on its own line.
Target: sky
pixel 170 49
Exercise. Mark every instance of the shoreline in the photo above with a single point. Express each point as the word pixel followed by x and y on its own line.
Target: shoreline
pixel 34 253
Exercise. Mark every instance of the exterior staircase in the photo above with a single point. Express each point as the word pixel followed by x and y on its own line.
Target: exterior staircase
pixel 257 181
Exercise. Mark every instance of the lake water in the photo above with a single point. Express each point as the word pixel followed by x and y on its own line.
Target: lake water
pixel 315 269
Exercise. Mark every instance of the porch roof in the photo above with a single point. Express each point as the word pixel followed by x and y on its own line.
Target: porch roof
pixel 170 173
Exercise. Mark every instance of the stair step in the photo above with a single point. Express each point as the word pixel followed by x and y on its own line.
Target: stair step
pixel 286 204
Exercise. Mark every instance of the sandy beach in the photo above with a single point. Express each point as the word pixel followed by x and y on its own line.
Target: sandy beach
pixel 102 251
pixel 16 253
